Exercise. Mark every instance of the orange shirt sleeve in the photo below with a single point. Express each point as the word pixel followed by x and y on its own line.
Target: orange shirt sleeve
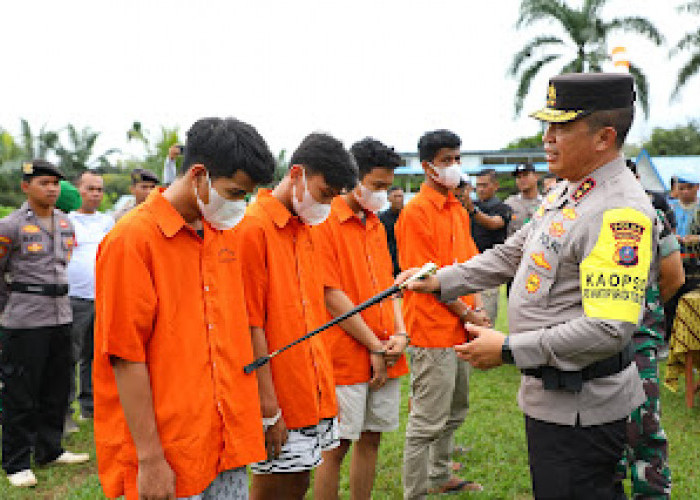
pixel 125 296
pixel 253 255
pixel 327 255
pixel 415 242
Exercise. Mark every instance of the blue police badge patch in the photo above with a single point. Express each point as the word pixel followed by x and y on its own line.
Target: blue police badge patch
pixel 628 255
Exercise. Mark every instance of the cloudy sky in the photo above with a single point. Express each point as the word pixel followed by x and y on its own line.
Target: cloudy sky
pixel 387 68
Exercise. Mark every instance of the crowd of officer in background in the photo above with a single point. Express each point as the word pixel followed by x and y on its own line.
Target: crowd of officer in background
pixel 155 310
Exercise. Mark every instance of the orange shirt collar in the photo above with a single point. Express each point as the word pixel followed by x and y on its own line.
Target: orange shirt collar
pixel 436 198
pixel 168 219
pixel 345 213
pixel 274 208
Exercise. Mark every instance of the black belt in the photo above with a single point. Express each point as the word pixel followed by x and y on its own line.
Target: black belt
pixel 51 290
pixel 554 379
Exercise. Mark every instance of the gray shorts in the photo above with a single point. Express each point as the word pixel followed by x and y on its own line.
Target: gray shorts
pixel 361 409
pixel 228 485
pixel 302 451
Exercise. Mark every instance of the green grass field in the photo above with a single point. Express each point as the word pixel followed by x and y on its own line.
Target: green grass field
pixel 493 429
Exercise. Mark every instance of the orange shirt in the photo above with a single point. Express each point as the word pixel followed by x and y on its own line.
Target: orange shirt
pixel 169 299
pixel 433 227
pixel 356 260
pixel 284 295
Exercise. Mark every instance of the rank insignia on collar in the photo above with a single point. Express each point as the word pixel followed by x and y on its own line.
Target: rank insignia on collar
pixel 569 213
pixel 538 258
pixel 556 229
pixel 533 283
pixel 540 211
pixel 583 189
pixel 551 197
pixel 627 237
pixel 30 228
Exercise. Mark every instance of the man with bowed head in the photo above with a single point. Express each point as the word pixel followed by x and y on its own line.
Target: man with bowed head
pixel 175 415
pixel 579 272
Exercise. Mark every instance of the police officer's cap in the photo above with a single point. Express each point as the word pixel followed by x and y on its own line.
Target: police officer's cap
pixel 40 167
pixel 523 167
pixel 143 175
pixel 574 95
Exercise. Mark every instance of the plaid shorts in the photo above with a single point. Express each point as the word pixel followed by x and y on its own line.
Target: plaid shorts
pixel 302 451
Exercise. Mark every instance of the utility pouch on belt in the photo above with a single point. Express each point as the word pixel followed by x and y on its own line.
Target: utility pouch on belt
pixel 572 381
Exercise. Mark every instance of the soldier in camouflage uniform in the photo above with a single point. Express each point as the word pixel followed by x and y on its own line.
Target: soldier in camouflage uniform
pixel 647 450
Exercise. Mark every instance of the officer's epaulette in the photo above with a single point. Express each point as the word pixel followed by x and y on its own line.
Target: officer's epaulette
pixel 583 189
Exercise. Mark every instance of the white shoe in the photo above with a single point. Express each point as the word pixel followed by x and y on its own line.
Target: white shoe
pixel 22 479
pixel 69 458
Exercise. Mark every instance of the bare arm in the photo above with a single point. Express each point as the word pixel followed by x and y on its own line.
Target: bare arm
pixel 156 478
pixel 337 303
pixel 491 222
pixel 275 435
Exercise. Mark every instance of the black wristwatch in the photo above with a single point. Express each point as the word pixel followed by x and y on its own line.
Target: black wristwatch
pixel 506 353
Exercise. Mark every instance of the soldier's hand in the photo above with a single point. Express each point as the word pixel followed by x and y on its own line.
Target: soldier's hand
pixel 429 284
pixel 155 479
pixel 484 351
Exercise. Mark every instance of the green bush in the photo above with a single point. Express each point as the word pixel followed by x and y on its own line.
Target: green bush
pixel 5 211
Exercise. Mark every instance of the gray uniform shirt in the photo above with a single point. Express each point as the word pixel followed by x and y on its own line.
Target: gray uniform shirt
pixel 580 270
pixel 30 254
pixel 523 210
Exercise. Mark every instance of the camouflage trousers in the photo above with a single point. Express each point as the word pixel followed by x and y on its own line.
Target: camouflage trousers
pixel 646 453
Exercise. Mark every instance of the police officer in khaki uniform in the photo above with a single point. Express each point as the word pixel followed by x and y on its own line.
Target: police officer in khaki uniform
pixel 579 270
pixel 35 246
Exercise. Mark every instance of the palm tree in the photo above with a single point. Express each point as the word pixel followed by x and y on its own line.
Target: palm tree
pixel 689 41
pixel 586 33
pixel 77 157
pixel 37 146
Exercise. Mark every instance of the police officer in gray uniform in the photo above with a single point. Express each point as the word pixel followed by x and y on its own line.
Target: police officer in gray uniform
pixel 579 270
pixel 35 246
pixel 527 200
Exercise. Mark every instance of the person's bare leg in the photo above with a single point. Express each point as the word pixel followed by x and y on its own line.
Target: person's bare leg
pixel 327 475
pixel 363 465
pixel 289 486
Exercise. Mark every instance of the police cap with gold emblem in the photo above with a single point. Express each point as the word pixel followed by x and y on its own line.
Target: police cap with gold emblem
pixel 143 175
pixel 574 95
pixel 40 167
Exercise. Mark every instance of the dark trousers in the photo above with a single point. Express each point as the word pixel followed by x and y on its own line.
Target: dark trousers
pixel 574 462
pixel 35 367
pixel 82 351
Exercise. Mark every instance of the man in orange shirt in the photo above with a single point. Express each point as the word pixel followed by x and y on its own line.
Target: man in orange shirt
pixel 434 226
pixel 284 295
pixel 366 349
pixel 175 416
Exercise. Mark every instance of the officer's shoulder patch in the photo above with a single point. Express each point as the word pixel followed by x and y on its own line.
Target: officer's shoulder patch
pixel 583 189
pixel 614 274
pixel 569 213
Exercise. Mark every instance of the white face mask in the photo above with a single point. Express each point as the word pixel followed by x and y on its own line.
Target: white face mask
pixel 370 200
pixel 448 176
pixel 220 212
pixel 308 209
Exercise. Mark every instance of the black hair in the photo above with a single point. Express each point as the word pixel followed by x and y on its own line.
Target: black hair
pixel 226 145
pixel 434 141
pixel 620 119
pixel 369 153
pixel 674 181
pixel 488 172
pixel 394 188
pixel 323 154
pixel 549 175
pixel 631 165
